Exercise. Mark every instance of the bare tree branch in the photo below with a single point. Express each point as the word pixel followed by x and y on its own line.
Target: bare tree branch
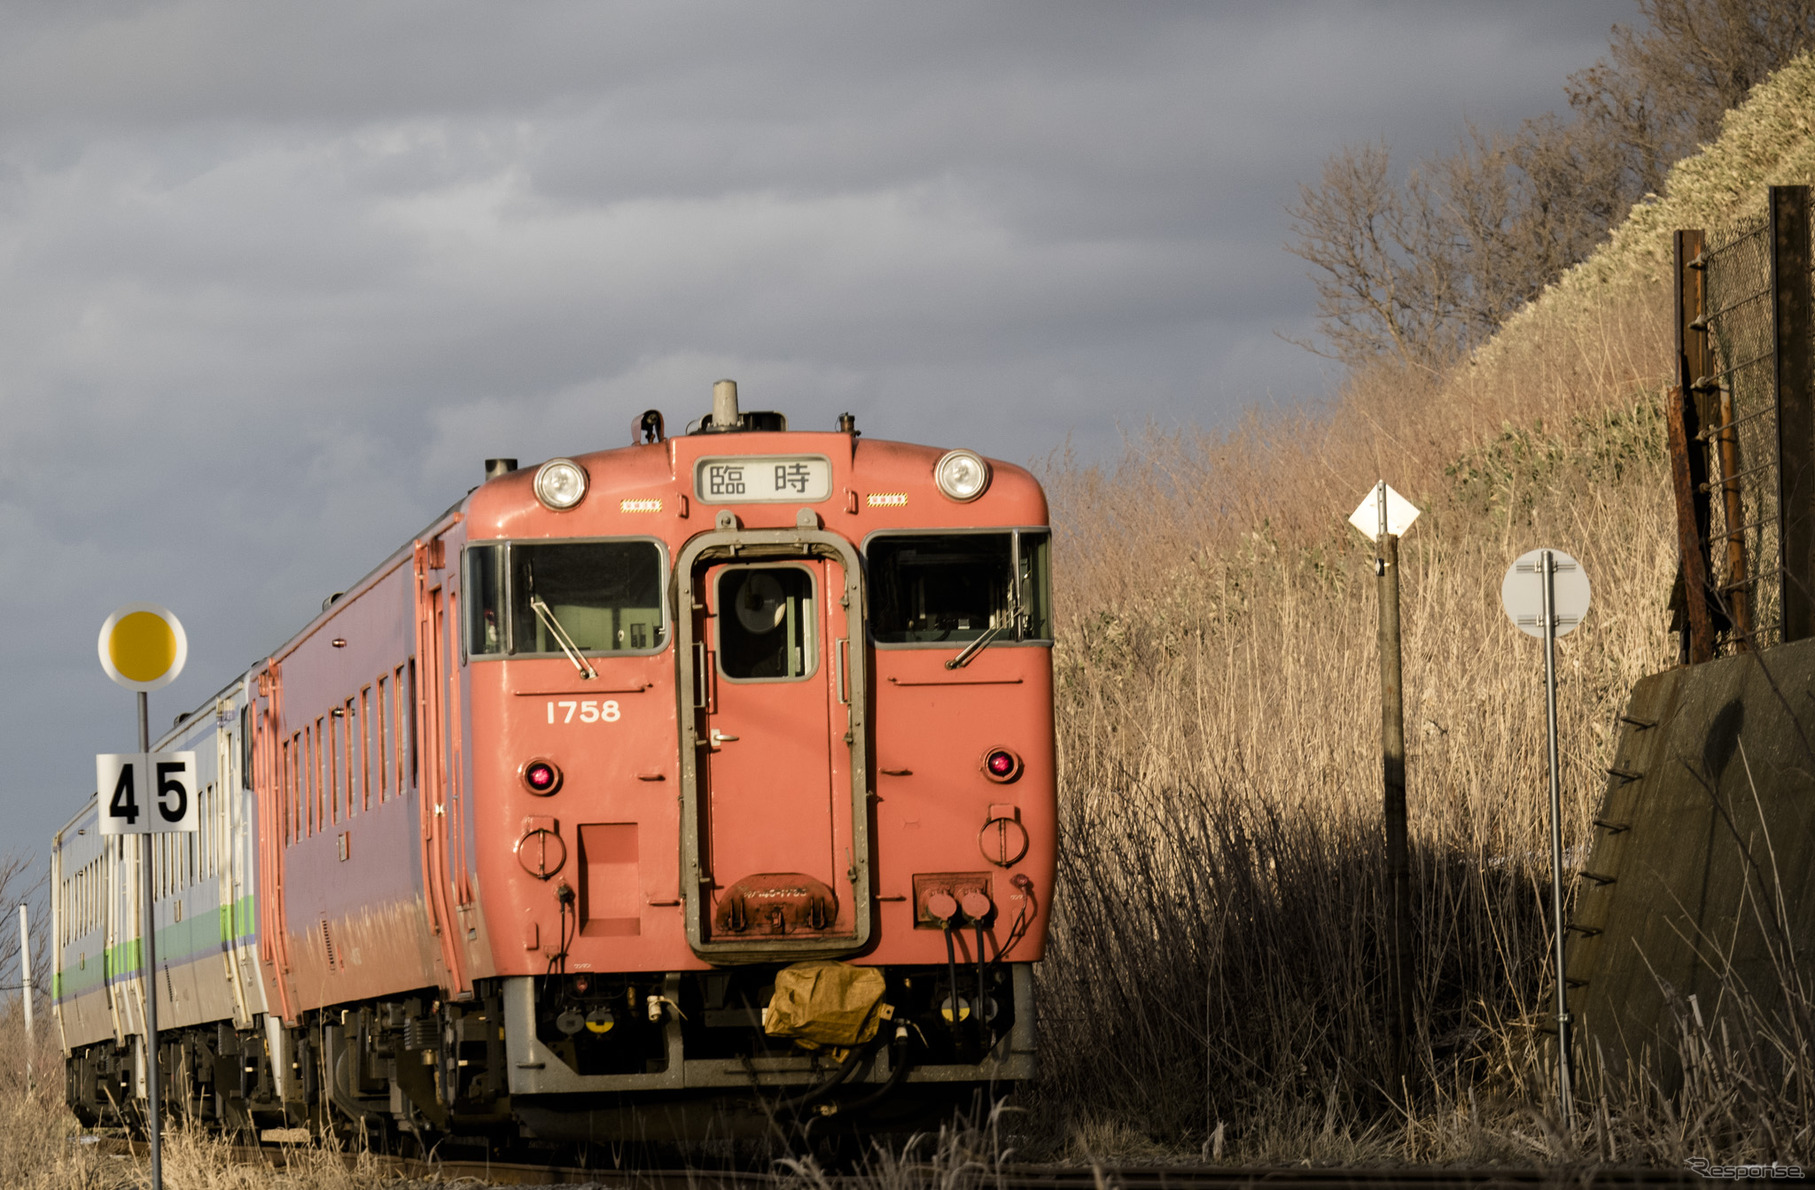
pixel 1380 289
pixel 1423 268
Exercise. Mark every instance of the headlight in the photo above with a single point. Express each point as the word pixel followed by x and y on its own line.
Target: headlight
pixel 962 475
pixel 560 483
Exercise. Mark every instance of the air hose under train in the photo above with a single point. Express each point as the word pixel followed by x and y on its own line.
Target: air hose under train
pixel 898 1068
pixel 825 1086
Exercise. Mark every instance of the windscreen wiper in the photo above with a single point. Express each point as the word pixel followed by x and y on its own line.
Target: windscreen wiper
pixel 975 647
pixel 555 630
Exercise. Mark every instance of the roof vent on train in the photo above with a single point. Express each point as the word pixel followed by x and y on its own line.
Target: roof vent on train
pixel 725 417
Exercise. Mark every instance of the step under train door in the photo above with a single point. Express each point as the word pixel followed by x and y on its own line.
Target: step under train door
pixel 774 767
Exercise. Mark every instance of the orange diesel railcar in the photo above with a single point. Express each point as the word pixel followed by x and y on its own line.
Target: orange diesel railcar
pixel 648 792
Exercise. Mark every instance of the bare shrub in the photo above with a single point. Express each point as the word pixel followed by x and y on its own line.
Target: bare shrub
pixel 1421 267
pixel 1381 290
pixel 1665 87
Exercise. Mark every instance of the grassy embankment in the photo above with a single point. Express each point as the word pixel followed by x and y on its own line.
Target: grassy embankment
pixel 1215 987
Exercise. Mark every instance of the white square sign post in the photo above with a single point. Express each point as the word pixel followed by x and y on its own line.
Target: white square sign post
pixel 143 793
pixel 1400 512
pixel 1382 517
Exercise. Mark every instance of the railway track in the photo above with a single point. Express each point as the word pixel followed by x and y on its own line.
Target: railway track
pixel 477 1172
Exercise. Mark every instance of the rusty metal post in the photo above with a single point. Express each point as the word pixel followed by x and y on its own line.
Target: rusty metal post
pixel 1698 645
pixel 1392 748
pixel 1689 462
pixel 1733 507
pixel 1793 330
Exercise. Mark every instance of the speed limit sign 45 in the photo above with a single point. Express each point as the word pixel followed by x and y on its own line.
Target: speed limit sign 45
pixel 142 793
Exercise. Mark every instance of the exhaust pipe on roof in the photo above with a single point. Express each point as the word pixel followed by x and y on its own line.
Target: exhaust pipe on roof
pixel 724 406
pixel 727 418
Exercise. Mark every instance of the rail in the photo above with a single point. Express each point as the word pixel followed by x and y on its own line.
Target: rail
pixel 1105 1175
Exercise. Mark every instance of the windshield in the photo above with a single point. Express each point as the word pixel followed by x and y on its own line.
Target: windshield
pixel 954 587
pixel 605 596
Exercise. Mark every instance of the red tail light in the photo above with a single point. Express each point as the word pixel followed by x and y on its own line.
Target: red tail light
pixel 1000 764
pixel 541 777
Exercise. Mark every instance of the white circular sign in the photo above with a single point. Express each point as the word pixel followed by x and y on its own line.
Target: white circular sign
pixel 143 646
pixel 1522 592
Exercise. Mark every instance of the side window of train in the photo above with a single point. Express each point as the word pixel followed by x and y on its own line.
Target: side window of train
pixel 386 726
pixel 415 769
pixel 287 777
pixel 245 746
pixel 1033 553
pixel 951 588
pixel 484 600
pixel 371 750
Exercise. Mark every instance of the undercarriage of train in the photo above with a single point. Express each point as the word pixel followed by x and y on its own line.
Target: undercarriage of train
pixel 578 1058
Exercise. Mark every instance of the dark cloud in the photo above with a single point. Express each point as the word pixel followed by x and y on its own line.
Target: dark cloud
pixel 274 278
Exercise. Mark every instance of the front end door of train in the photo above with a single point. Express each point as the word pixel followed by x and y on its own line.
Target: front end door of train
pixel 778 790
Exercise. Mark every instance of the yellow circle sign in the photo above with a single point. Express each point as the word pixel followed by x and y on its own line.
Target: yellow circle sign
pixel 143 646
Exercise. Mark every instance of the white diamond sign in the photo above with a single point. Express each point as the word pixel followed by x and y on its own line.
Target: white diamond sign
pixel 1400 513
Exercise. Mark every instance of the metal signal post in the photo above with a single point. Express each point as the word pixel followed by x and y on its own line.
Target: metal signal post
pixel 143 647
pixel 1548 575
pixel 1550 607
pixel 149 935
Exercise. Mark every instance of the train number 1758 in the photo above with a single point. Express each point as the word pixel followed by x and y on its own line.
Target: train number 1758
pixel 589 710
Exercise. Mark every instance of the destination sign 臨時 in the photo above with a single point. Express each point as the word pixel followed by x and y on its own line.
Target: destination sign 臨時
pixel 764 479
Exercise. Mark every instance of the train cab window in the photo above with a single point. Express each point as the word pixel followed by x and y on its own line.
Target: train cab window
pixel 601 596
pixel 765 620
pixel 955 587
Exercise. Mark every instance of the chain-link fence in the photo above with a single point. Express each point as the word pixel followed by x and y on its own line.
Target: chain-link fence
pixel 1739 416
pixel 1744 432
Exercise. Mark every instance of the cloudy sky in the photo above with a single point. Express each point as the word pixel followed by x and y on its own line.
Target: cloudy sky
pixel 276 277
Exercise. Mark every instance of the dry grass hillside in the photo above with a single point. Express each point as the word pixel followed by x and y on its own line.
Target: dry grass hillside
pixel 1220 735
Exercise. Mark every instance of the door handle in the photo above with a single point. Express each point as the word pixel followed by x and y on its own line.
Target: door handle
pixel 719 737
pixel 840 649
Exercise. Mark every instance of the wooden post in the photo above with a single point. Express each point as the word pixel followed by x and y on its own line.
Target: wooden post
pixel 1392 748
pixel 1793 328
